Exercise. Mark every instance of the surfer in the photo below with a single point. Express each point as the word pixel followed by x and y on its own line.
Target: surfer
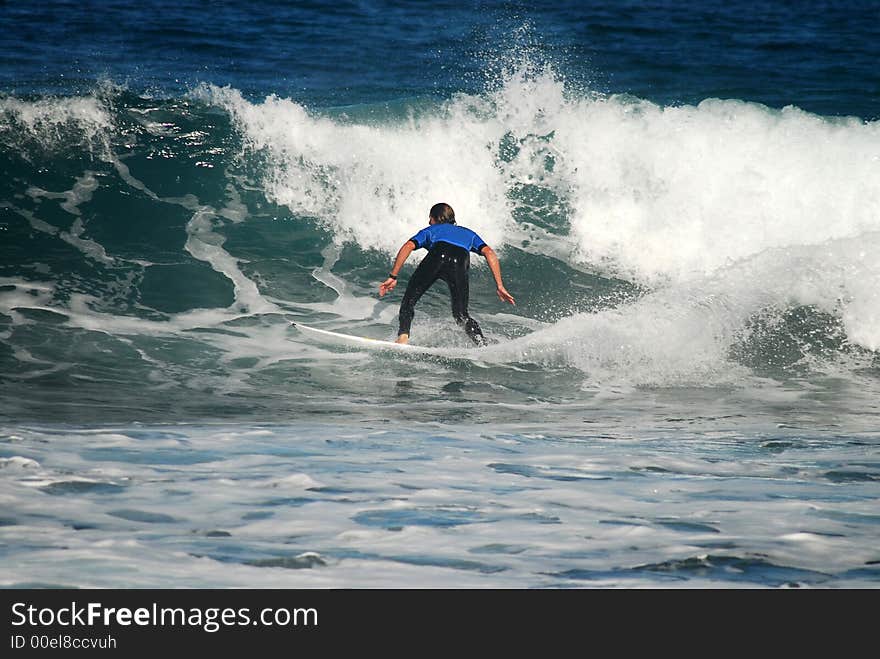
pixel 449 246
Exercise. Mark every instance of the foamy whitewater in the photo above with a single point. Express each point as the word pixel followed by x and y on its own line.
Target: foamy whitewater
pixel 686 394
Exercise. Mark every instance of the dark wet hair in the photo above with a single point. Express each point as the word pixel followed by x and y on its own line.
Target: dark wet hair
pixel 442 213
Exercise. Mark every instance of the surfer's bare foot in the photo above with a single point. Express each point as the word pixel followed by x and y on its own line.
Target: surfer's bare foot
pixel 402 338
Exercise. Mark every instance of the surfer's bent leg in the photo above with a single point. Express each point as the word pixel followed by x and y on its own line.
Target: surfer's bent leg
pixel 425 275
pixel 458 265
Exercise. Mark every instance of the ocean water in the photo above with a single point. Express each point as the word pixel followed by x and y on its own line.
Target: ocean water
pixel 685 198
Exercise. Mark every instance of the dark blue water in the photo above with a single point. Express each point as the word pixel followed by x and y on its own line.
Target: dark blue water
pixel 819 56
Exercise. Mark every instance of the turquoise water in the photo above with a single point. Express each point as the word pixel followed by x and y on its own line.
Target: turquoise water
pixel 685 204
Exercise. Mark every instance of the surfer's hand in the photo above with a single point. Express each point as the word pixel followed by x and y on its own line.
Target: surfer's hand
pixel 504 296
pixel 387 286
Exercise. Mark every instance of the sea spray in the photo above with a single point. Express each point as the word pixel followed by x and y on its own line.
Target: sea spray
pixel 652 193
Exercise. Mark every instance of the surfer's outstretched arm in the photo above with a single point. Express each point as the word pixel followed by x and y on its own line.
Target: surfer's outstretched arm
pixel 495 267
pixel 402 255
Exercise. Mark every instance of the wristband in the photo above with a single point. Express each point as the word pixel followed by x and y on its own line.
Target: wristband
pixel 390 276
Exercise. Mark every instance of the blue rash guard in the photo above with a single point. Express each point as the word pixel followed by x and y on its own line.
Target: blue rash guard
pixel 448 233
pixel 449 247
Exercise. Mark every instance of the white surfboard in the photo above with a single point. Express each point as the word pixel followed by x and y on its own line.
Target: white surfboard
pixel 368 343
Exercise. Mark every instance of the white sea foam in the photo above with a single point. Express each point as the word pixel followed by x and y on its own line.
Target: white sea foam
pixel 51 121
pixel 655 193
pixel 676 192
pixel 726 208
pixel 520 512
pixel 684 332
pixel 374 184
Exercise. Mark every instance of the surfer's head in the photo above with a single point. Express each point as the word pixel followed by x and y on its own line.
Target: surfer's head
pixel 442 214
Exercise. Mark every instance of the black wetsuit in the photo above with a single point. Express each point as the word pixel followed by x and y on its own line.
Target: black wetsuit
pixel 450 263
